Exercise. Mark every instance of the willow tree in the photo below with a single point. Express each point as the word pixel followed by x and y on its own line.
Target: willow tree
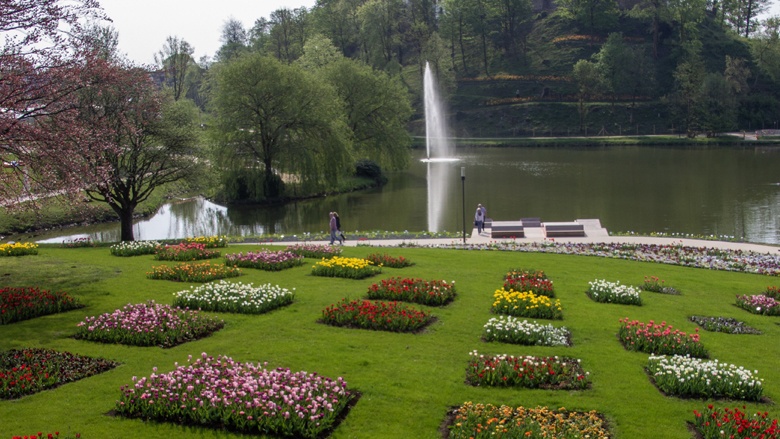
pixel 279 122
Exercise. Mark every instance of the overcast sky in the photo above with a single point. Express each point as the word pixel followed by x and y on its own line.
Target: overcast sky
pixel 143 25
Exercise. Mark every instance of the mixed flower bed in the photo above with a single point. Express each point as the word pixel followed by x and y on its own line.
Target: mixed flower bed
pixel 510 329
pixel 264 260
pixel 246 397
pixel 23 303
pixel 78 243
pixel 773 292
pixel 209 241
pixel 386 260
pixel 18 249
pixel 425 292
pixel 314 251
pixel 688 377
pixel 483 421
pixel 351 268
pixel 526 304
pixel 613 292
pixel 55 435
pixel 380 316
pixel 714 423
pixel 134 248
pixel 148 324
pixel 724 324
pixel 656 285
pixel 235 297
pixel 759 304
pixel 27 371
pixel 660 339
pixel 556 373
pixel 193 272
pixel 185 251
pixel 535 281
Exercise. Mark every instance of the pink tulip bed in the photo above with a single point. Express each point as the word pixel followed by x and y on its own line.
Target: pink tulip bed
pixel 23 303
pixel 424 292
pixel 314 251
pixel 759 304
pixel 27 371
pixel 148 324
pixel 244 397
pixel 264 260
pixel 659 339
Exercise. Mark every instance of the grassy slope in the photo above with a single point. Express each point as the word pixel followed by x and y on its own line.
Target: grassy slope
pixel 407 381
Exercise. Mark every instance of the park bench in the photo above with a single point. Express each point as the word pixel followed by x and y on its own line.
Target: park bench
pixel 507 229
pixel 552 230
pixel 531 222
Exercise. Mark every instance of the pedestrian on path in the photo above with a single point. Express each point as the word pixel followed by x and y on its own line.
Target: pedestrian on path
pixel 334 229
pixel 479 219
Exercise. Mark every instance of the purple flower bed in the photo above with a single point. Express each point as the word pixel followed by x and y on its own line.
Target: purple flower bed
pixel 222 393
pixel 759 304
pixel 264 260
pixel 148 324
pixel 315 251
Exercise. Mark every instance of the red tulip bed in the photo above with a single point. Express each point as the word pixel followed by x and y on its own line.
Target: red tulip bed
pixel 558 373
pixel 714 423
pixel 17 304
pixel 27 371
pixel 424 292
pixel 386 260
pixel 380 316
pixel 525 280
pixel 193 272
pixel 660 339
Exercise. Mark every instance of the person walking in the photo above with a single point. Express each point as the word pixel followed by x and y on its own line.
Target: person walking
pixel 479 218
pixel 334 229
pixel 338 227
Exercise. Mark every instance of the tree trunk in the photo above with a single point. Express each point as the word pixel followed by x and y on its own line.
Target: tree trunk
pixel 126 224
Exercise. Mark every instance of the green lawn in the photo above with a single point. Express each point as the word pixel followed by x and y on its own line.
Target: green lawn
pixel 407 381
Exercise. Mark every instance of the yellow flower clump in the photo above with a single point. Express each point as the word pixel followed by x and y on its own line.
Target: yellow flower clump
pixel 18 248
pixel 350 263
pixel 526 299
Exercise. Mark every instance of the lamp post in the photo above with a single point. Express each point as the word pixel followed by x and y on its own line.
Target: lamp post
pixel 463 185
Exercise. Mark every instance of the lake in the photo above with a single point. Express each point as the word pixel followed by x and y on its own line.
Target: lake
pixel 703 190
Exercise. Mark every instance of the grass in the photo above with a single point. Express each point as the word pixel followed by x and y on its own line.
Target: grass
pixel 408 381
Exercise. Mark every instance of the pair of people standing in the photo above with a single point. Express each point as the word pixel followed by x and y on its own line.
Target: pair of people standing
pixel 479 218
pixel 335 229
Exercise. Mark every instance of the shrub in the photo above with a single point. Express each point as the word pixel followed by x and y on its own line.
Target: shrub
pixel 509 329
pixel 381 316
pixel 31 370
pixel 613 292
pixel 656 285
pixel 695 378
pixel 264 260
pixel 186 251
pixel 193 272
pixel 535 281
pixel 526 304
pixel 369 169
pixel 18 249
pixel 425 292
pixel 734 423
pixel 314 251
pixel 386 260
pixel 556 373
pixel 478 421
pixel 660 339
pixel 23 303
pixel 724 324
pixel 351 268
pixel 222 393
pixel 234 297
pixel 759 304
pixel 148 324
pixel 134 248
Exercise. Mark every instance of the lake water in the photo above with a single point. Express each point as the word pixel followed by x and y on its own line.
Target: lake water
pixel 712 190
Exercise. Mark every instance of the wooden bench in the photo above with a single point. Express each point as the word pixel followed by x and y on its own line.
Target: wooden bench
pixel 531 222
pixel 563 229
pixel 507 229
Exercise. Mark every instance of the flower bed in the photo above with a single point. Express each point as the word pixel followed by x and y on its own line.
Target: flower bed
pixel 78 243
pixel 734 423
pixel 656 285
pixel 148 324
pixel 482 421
pixel 613 292
pixel 314 251
pixel 351 268
pixel 193 272
pixel 695 378
pixel 535 281
pixel 23 303
pixel 235 297
pixel 209 241
pixel 264 260
pixel 724 324
pixel 18 249
pixel 186 251
pixel 134 248
pixel 660 339
pixel 386 260
pixel 55 435
pixel 773 292
pixel 554 373
pixel 510 329
pixel 27 371
pixel 225 394
pixel 425 292
pixel 380 316
pixel 759 304
pixel 526 304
